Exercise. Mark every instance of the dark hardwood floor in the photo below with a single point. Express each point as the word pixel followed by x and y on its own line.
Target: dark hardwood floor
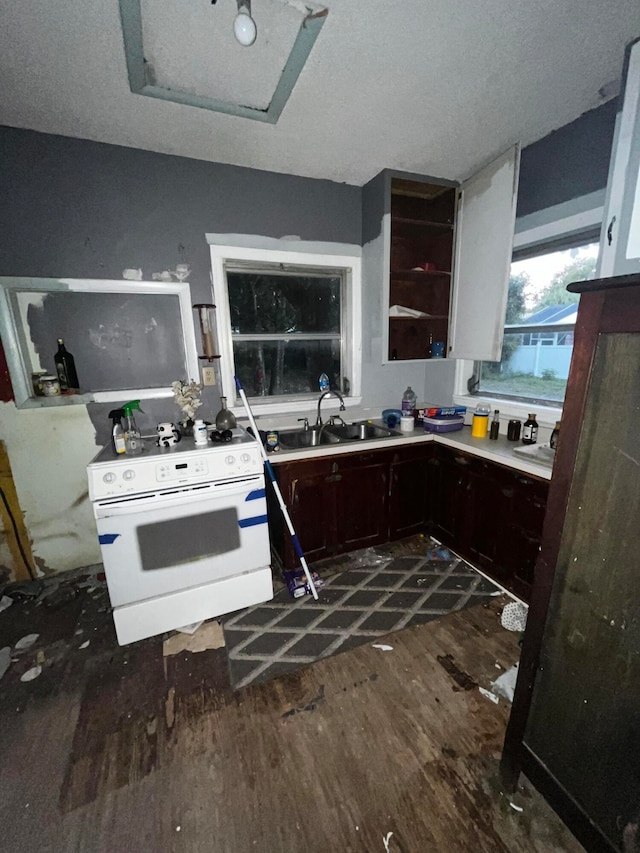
pixel 127 750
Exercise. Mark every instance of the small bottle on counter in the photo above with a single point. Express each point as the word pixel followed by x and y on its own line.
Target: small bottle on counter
pixel 555 435
pixel 495 426
pixel 480 423
pixel 409 400
pixel 66 368
pixel 200 432
pixel 530 430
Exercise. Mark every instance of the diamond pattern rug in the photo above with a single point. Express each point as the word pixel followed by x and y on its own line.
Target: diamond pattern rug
pixel 355 606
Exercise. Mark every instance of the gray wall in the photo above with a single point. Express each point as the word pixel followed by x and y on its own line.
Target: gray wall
pixel 568 163
pixel 84 209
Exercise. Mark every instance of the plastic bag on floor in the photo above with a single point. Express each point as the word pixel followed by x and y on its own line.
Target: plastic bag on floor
pixel 514 616
pixel 368 557
pixel 505 684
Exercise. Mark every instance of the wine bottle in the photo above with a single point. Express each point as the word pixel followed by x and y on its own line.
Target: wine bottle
pixel 66 368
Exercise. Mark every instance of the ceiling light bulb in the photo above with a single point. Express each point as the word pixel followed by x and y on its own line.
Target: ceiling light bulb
pixel 244 27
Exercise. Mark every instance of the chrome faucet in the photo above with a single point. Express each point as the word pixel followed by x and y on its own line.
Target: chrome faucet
pixel 321 398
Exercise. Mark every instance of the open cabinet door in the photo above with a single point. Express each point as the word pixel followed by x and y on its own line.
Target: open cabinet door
pixel 485 224
pixel 620 238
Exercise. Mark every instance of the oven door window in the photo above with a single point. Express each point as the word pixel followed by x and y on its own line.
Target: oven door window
pixel 188 539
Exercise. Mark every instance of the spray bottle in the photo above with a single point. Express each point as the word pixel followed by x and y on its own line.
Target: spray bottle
pixel 117 432
pixel 133 444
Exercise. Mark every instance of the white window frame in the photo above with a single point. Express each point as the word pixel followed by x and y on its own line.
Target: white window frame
pixel 228 249
pixel 532 231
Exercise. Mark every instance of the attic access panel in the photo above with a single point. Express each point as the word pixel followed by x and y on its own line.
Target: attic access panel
pixel 184 51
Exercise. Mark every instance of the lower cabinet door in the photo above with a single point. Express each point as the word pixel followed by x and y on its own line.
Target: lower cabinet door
pixel 409 491
pixel 361 490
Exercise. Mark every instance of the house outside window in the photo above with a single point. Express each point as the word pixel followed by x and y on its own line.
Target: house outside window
pixel 538 334
pixel 286 313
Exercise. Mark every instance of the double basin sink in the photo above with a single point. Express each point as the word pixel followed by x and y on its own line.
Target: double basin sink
pixel 330 434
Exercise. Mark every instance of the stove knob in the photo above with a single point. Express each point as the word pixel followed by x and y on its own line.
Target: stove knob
pixel 109 478
pixel 246 458
pixel 129 475
pixel 230 460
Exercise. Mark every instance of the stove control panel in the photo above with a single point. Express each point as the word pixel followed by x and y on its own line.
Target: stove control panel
pixel 131 476
pixel 178 469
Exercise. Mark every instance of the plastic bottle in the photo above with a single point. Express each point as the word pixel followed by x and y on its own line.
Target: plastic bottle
pixel 66 368
pixel 480 423
pixel 200 432
pixel 117 433
pixel 133 444
pixel 495 426
pixel 323 382
pixel 225 419
pixel 530 430
pixel 409 400
pixel 555 435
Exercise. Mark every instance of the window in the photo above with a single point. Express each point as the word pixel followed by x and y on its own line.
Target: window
pixel 286 328
pixel 285 315
pixel 538 334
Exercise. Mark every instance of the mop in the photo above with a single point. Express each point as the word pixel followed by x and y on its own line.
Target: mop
pixel 271 474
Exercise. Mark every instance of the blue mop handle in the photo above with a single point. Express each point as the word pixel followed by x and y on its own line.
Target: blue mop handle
pixel 276 488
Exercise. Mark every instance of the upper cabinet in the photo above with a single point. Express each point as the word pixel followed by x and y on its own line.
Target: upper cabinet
pixel 620 241
pixel 422 223
pixel 442 253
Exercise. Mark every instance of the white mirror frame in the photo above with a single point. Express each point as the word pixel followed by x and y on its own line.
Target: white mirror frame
pixel 19 370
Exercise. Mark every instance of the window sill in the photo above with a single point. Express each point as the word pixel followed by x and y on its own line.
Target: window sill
pixel 545 415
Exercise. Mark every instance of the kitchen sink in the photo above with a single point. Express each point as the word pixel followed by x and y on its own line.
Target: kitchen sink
pixel 329 434
pixel 295 439
pixel 360 431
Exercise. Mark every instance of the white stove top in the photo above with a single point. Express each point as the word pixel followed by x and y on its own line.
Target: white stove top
pixel 112 475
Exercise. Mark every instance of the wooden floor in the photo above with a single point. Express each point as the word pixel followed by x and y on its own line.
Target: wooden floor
pixel 124 750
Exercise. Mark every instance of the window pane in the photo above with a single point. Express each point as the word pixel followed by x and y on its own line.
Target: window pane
pixel 535 365
pixel 286 367
pixel 268 303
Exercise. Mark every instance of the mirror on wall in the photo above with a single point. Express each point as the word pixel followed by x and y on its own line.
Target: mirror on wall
pixel 128 338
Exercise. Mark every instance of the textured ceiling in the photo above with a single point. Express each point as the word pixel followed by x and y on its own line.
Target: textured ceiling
pixel 422 85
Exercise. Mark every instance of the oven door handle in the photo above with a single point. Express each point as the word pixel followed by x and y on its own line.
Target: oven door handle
pixel 216 495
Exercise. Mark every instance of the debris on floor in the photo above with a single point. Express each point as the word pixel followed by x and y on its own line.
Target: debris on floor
pixel 489 695
pixel 26 642
pixel 514 616
pixel 5 660
pixel 32 673
pixel 190 629
pixel 297 582
pixel 505 684
pixel 368 558
pixel 208 636
pixel 382 646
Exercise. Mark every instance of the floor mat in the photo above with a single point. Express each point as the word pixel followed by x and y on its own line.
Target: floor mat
pixel 356 606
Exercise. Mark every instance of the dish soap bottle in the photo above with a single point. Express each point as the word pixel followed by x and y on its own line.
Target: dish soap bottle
pixel 323 382
pixel 225 419
pixel 117 432
pixel 495 426
pixel 66 368
pixel 133 445
pixel 409 400
pixel 530 430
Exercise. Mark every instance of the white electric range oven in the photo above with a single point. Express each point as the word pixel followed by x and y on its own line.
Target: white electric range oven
pixel 183 533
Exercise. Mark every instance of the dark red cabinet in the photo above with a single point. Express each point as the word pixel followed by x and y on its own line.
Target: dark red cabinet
pixel 490 515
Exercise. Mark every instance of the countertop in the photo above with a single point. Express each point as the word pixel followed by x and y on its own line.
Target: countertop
pixel 500 451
